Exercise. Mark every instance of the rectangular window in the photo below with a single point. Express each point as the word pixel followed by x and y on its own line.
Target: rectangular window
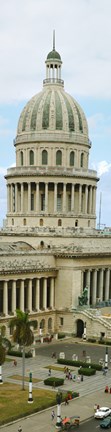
pixel 69 202
pixel 42 202
pixel 61 321
pixel 59 203
pixel 32 201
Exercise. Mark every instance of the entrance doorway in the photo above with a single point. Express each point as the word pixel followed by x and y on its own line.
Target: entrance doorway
pixel 80 328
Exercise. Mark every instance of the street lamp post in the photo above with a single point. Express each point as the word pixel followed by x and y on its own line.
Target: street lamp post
pixel 59 400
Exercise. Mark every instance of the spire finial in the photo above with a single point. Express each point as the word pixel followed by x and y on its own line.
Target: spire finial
pixel 53 40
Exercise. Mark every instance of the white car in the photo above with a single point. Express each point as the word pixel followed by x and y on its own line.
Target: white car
pixel 102 412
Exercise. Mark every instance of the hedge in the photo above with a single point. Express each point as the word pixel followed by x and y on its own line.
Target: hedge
pixel 86 371
pixel 78 363
pixel 61 335
pixel 18 353
pixel 54 381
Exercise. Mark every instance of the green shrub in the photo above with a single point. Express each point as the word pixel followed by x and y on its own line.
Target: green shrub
pixel 54 381
pixel 86 371
pixel 92 340
pixel 78 363
pixel 14 353
pixel 61 335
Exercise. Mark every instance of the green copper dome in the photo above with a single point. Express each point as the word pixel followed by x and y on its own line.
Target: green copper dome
pixel 54 55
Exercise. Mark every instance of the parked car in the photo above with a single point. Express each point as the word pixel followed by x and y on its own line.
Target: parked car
pixel 102 412
pixel 106 423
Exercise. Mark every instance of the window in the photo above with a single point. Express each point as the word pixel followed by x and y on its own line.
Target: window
pixel 61 321
pixel 72 158
pixel 32 201
pixel 44 157
pixel 69 202
pixel 24 222
pixel 82 160
pixel 59 222
pixel 76 223
pixel 31 157
pixel 42 202
pixel 12 221
pixel 59 202
pixel 88 223
pixel 59 157
pixel 21 158
pixel 41 222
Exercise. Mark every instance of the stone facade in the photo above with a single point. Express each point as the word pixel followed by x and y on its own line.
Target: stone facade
pixel 50 249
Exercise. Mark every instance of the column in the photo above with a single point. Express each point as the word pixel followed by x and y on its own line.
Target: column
pixel 14 296
pixel 30 295
pixel 22 295
pixel 64 198
pixel 45 293
pixel 16 203
pixel 101 284
pixel 86 199
pixel 5 297
pixel 94 287
pixel 55 197
pixel 11 198
pixel 94 200
pixel 88 277
pixel 107 279
pixel 90 200
pixel 8 200
pixel 46 197
pixel 52 293
pixel 29 196
pixel 80 192
pixel 72 197
pixel 37 197
pixel 37 294
pixel 22 198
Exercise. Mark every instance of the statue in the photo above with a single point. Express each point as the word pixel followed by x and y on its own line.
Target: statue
pixel 83 299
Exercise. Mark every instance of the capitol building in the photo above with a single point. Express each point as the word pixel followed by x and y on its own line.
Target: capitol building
pixel 50 249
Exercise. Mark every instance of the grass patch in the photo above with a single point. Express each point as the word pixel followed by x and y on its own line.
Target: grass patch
pixel 14 401
pixel 19 377
pixel 58 368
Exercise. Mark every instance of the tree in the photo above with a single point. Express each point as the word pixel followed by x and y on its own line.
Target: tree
pixel 22 334
pixel 4 344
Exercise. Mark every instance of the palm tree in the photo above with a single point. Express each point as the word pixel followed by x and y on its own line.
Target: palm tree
pixel 22 334
pixel 4 344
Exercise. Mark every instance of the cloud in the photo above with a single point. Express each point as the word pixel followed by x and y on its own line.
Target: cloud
pixel 26 37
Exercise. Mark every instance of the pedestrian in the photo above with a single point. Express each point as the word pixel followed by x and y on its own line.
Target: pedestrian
pixel 52 415
pixel 49 373
pixel 20 429
pixel 95 407
pixel 66 400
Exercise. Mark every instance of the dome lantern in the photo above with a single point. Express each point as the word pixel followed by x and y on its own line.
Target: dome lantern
pixel 53 67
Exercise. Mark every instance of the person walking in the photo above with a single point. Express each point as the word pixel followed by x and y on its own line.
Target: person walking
pixel 52 415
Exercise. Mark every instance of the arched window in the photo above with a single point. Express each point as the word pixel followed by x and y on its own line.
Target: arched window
pixel 58 157
pixel 88 223
pixel 31 157
pixel 72 158
pixel 44 157
pixel 12 221
pixel 76 223
pixel 82 160
pixel 41 222
pixel 59 222
pixel 21 158
pixel 24 222
pixel 42 324
pixel 49 323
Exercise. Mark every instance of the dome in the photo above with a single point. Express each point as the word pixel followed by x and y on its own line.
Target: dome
pixel 53 115
pixel 53 55
pixel 52 110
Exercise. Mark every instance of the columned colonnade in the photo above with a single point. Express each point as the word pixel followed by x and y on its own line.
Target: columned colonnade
pixel 51 197
pixel 27 294
pixel 98 282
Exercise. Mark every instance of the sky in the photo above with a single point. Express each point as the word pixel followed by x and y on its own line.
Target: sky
pixel 83 39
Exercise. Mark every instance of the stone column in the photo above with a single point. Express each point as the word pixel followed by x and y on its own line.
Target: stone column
pixel 94 200
pixel 30 295
pixel 37 197
pixel 94 287
pixel 55 197
pixel 16 197
pixel 80 195
pixel 5 297
pixel 22 197
pixel 14 297
pixel 52 293
pixel 90 200
pixel 29 196
pixel 11 198
pixel 72 197
pixel 8 201
pixel 64 198
pixel 22 295
pixel 101 284
pixel 37 295
pixel 107 284
pixel 86 199
pixel 88 277
pixel 46 197
pixel 45 293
